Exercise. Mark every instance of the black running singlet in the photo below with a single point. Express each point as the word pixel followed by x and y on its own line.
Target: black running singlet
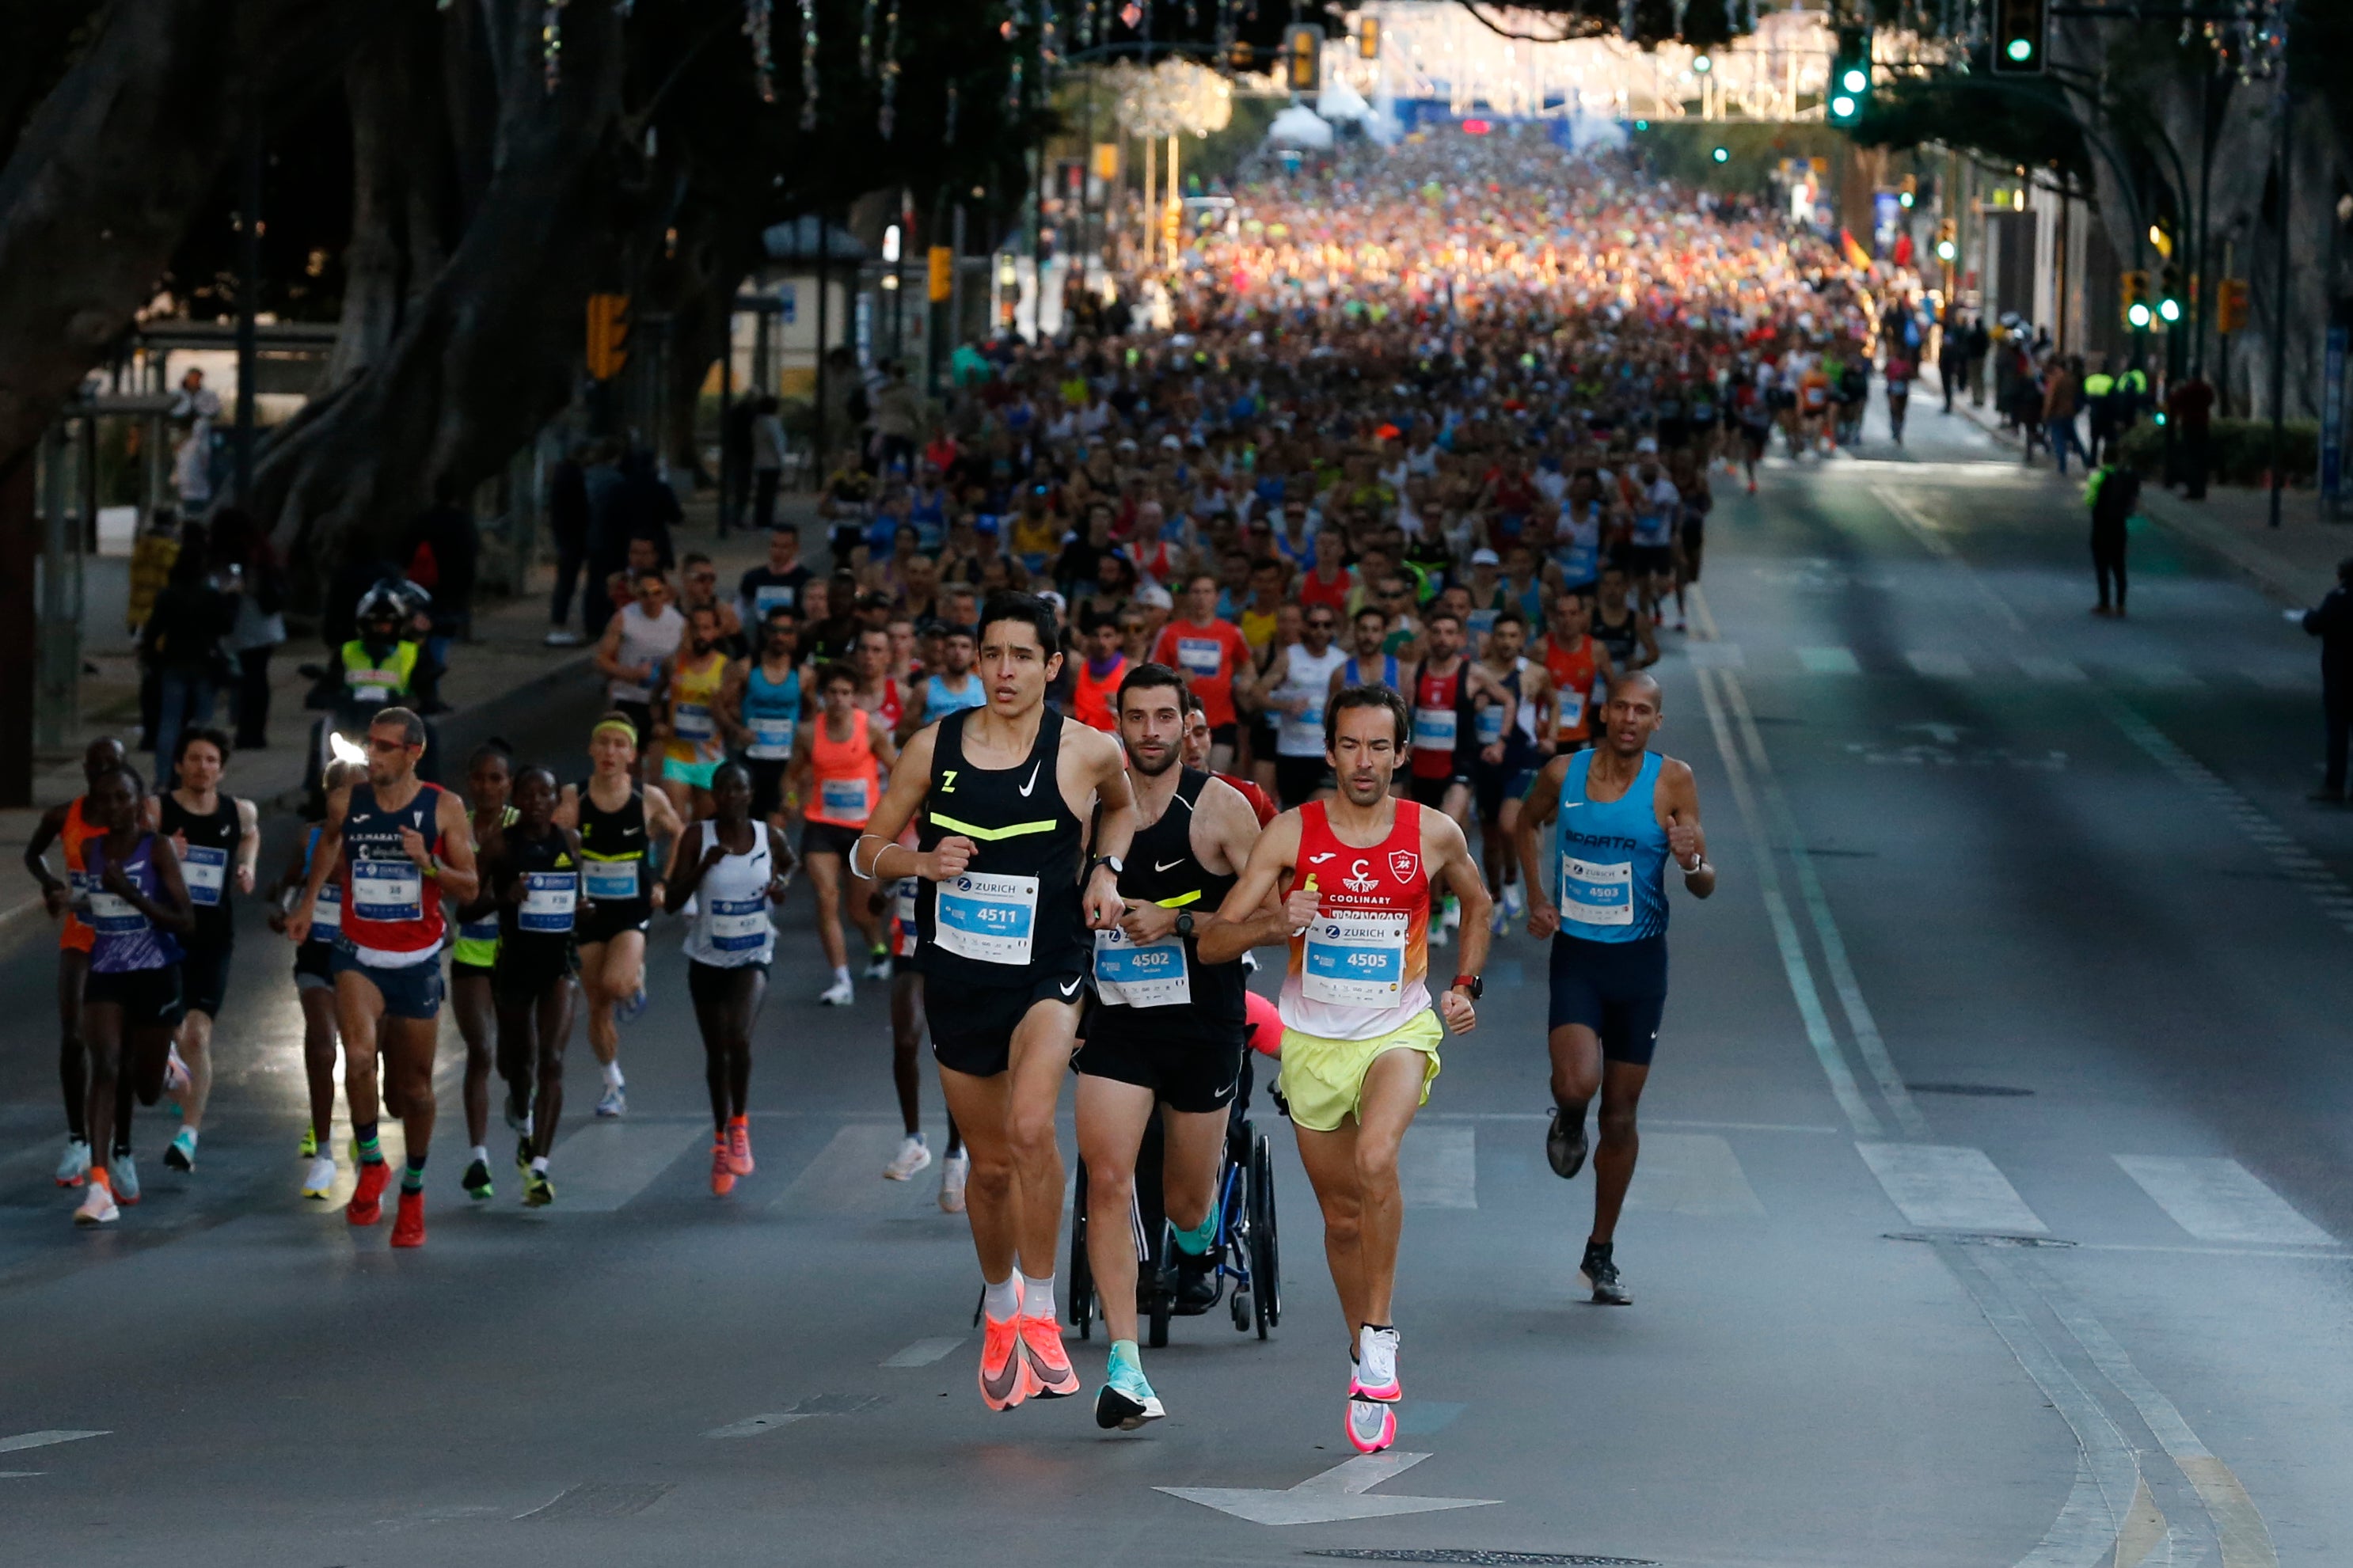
pixel 613 847
pixel 1013 914
pixel 208 866
pixel 1141 991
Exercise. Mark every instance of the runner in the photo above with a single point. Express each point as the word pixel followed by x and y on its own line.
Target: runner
pixel 1697 499
pixel 1443 688
pixel 314 992
pixel 688 720
pixel 953 688
pixel 878 693
pixel 761 704
pixel 730 870
pixel 1623 632
pixel 1215 659
pixel 1299 682
pixel 1359 1043
pixel 619 827
pixel 387 970
pixel 907 1028
pixel 1167 1029
pixel 1367 664
pixel 530 877
pixel 1575 666
pixel 635 646
pixel 217 838
pixel 1003 916
pixel 837 771
pixel 1197 757
pixel 1095 690
pixel 70 826
pixel 1656 506
pixel 473 961
pixel 136 906
pixel 1510 752
pixel 1607 922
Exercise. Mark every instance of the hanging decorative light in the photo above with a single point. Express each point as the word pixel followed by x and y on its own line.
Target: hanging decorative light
pixel 551 42
pixel 809 64
pixel 759 22
pixel 887 119
pixel 866 39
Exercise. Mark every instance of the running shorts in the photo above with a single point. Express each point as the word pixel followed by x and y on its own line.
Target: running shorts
pixel 1431 792
pixel 767 787
pixel 828 838
pixel 314 966
pixel 148 997
pixel 976 1037
pixel 204 978
pixel 695 774
pixel 1197 1071
pixel 521 978
pixel 1617 989
pixel 1324 1080
pixel 1492 784
pixel 609 918
pixel 1654 558
pixel 410 991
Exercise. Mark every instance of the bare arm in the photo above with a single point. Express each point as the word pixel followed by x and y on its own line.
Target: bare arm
pixel 1649 654
pixel 1678 803
pixel 170 908
pixel 730 702
pixel 911 781
pixel 1242 921
pixel 453 867
pixel 329 854
pixel 54 891
pixel 608 654
pixel 663 821
pixel 1224 828
pixel 886 751
pixel 489 869
pixel 686 868
pixel 248 844
pixel 1537 814
pixel 1115 833
pixel 1448 854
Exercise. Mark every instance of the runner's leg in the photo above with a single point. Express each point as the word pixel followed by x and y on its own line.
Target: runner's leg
pixel 73 1067
pixel 992 1201
pixel 101 1036
pixel 319 1062
pixel 1112 1115
pixel 554 1010
pixel 1040 1059
pixel 194 1040
pixel 470 998
pixel 825 877
pixel 1619 1144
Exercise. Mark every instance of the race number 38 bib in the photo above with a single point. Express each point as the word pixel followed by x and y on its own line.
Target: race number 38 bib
pixel 549 899
pixel 1596 893
pixel 987 918
pixel 1150 976
pixel 388 890
pixel 739 925
pixel 1355 960
pixel 206 870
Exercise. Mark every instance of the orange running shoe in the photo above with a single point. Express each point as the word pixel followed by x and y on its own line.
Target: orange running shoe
pixel 1005 1376
pixel 739 1145
pixel 366 1207
pixel 723 1170
pixel 1051 1375
pixel 408 1222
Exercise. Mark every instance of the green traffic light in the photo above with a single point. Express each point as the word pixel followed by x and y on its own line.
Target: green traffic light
pixel 2138 315
pixel 1856 78
pixel 2020 49
pixel 2170 310
pixel 1722 155
pixel 1841 107
pixel 1947 251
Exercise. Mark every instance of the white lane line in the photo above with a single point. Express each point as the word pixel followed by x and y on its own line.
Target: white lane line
pixel 1715 656
pixel 2221 1200
pixel 845 1180
pixel 2163 673
pixel 602 1165
pixel 1828 661
pixel 923 1353
pixel 1937 666
pixel 1858 1112
pixel 1945 1187
pixel 1438 1166
pixel 2053 671
pixel 22 1440
pixel 1693 1173
pixel 2273 677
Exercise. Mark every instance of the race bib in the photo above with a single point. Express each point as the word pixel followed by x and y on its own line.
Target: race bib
pixel 111 914
pixel 1355 960
pixel 903 910
pixel 615 879
pixel 1572 709
pixel 1491 723
pixel 843 798
pixel 1200 656
pixel 772 741
pixel 1132 976
pixel 1433 729
pixel 768 596
pixel 986 918
pixel 327 911
pixel 738 925
pixel 1596 893
pixel 549 899
pixel 206 873
pixel 692 721
pixel 388 890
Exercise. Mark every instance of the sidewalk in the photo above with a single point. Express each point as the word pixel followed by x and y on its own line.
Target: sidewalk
pixel 2294 562
pixel 506 668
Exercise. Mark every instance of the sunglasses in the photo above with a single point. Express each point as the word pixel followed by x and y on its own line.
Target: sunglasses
pixel 385 748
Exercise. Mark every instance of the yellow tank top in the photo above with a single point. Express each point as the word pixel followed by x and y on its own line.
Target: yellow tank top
pixel 695 712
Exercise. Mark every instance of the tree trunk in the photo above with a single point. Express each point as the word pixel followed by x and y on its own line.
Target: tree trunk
pixel 102 182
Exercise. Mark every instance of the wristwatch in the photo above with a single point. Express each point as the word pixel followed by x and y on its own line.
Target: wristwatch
pixel 1118 866
pixel 1471 983
pixel 1184 924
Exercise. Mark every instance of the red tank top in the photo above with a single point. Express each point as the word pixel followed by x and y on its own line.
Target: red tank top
pixel 1092 700
pixel 1362 967
pixel 1572 678
pixel 390 906
pixel 849 781
pixel 1437 701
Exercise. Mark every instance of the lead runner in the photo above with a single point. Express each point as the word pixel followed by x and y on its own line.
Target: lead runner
pixel 1359 1042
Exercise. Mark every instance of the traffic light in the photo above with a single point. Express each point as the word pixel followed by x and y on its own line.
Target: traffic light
pixel 2135 292
pixel 941 269
pixel 1949 248
pixel 1368 39
pixel 1850 89
pixel 2232 306
pixel 1303 52
pixel 2169 297
pixel 608 334
pixel 1721 154
pixel 2021 28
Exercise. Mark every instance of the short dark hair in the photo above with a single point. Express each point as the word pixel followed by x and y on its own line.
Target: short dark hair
pixel 412 728
pixel 1440 613
pixel 1027 608
pixel 493 747
pixel 190 736
pixel 1509 613
pixel 781 613
pixel 138 784
pixel 839 670
pixel 1373 610
pixel 1367 697
pixel 1153 676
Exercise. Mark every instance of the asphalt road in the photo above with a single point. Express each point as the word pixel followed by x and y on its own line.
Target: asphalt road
pixel 1990 1208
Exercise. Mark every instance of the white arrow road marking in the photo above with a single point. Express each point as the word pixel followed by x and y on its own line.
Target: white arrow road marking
pixel 1338 1494
pixel 42 1439
pixel 1943 734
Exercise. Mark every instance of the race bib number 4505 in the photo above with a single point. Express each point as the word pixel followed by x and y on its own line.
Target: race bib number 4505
pixel 1355 961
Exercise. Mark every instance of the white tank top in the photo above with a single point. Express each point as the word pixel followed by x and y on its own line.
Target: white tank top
pixel 646 639
pixel 730 926
pixel 1308 676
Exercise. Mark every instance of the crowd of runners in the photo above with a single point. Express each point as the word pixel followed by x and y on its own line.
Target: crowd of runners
pixel 1327 604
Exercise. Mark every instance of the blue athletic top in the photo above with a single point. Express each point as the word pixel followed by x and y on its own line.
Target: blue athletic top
pixel 1612 857
pixel 939 702
pixel 772 710
pixel 1355 677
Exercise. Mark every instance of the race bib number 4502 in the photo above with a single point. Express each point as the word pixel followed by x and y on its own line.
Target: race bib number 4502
pixel 1151 976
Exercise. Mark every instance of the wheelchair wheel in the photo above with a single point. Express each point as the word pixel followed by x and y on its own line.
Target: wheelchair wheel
pixel 1160 1295
pixel 1082 1278
pixel 1265 1257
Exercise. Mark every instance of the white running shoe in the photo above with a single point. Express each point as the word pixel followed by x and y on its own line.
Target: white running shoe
pixel 175 1073
pixel 954 1170
pixel 73 1167
pixel 1497 921
pixel 614 1102
pixel 913 1156
pixel 320 1178
pixel 123 1171
pixel 878 966
pixel 1377 1365
pixel 96 1207
pixel 1516 901
pixel 838 994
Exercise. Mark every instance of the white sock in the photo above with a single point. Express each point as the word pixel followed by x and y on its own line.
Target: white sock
pixel 481 1153
pixel 526 1125
pixel 539 1164
pixel 1002 1299
pixel 1038 1297
pixel 613 1073
pixel 841 975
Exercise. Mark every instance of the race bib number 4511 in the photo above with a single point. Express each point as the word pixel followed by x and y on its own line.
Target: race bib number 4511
pixel 986 918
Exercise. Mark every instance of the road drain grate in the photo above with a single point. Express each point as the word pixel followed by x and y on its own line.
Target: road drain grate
pixel 1972 1091
pixel 1468 1554
pixel 603 1499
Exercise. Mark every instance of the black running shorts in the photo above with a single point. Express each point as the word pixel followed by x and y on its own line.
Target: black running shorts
pixel 973 1033
pixel 1617 989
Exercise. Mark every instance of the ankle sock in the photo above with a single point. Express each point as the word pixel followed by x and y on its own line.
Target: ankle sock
pixel 1196 1241
pixel 1037 1296
pixel 412 1176
pixel 1001 1298
pixel 613 1074
pixel 371 1152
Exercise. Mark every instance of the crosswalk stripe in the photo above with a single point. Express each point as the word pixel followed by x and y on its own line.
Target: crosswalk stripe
pixel 1715 656
pixel 1691 1174
pixel 1828 661
pixel 2221 1200
pixel 2041 666
pixel 845 1180
pixel 601 1165
pixel 923 1353
pixel 1938 666
pixel 1438 1166
pixel 1947 1187
pixel 2159 672
pixel 22 1440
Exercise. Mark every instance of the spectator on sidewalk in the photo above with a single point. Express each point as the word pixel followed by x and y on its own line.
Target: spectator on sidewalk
pixel 239 548
pixel 2332 623
pixel 1953 357
pixel 1980 344
pixel 2190 405
pixel 767 459
pixel 567 522
pixel 647 508
pixel 735 462
pixel 2112 493
pixel 2059 410
pixel 444 549
pixel 607 549
pixel 181 644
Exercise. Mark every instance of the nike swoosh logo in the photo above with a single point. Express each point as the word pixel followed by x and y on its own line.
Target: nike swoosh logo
pixel 1319 859
pixel 1071 989
pixel 1157 866
pixel 1052 1383
pixel 1570 804
pixel 1033 778
pixel 1002 1385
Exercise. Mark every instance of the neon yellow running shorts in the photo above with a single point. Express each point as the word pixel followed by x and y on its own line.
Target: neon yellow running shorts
pixel 1324 1080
